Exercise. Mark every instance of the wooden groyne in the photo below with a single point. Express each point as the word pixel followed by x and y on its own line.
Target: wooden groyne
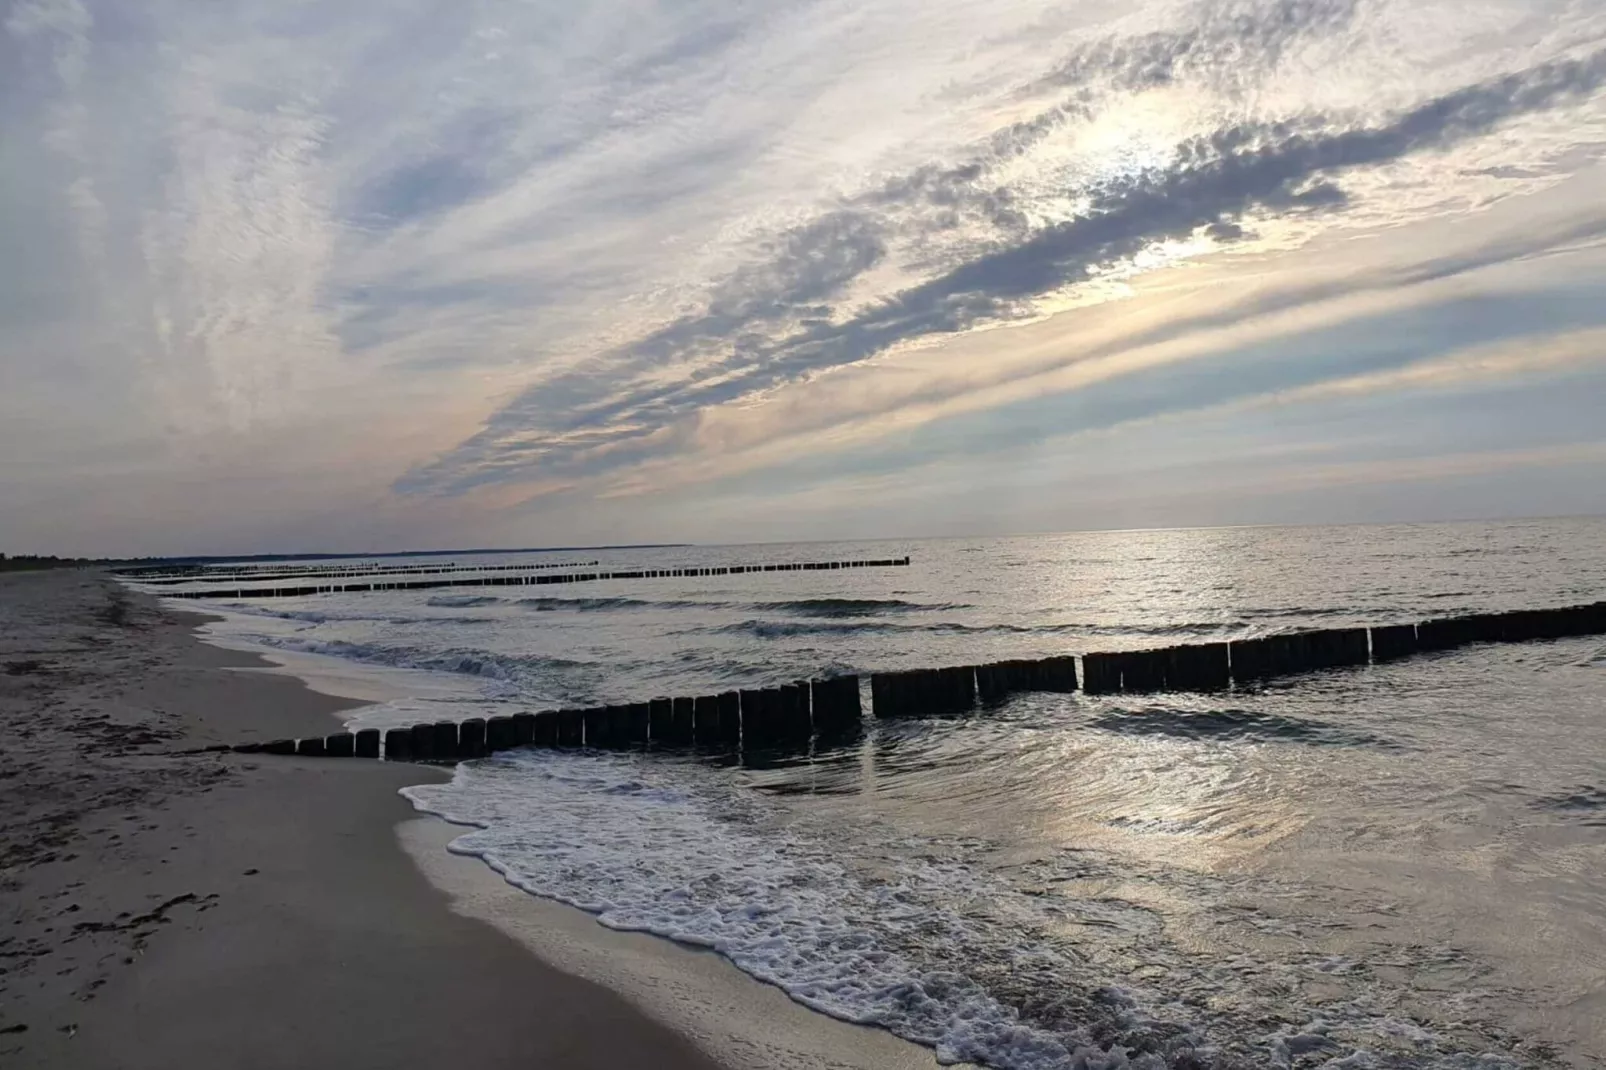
pixel 1217 666
pixel 522 580
pixel 346 571
pixel 792 717
pixel 786 718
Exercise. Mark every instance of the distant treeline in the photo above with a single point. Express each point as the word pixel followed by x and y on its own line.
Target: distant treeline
pixel 27 562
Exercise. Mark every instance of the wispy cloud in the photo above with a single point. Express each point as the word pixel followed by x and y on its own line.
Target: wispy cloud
pixel 787 318
pixel 481 255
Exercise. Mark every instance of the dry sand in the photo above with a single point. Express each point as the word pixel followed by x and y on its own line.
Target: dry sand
pixel 178 911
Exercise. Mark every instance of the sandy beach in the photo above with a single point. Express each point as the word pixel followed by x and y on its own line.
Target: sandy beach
pixel 200 910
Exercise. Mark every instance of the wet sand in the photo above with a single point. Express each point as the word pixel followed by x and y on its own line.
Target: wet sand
pixel 168 910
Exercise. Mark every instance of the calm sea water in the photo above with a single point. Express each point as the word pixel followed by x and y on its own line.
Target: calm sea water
pixel 1397 866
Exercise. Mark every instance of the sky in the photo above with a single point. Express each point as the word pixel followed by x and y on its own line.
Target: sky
pixel 296 276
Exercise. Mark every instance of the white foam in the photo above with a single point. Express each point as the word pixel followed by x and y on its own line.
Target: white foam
pixel 743 1024
pixel 916 937
pixel 644 853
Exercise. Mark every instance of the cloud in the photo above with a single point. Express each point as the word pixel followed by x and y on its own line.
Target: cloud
pixel 1490 339
pixel 778 330
pixel 1229 41
pixel 472 254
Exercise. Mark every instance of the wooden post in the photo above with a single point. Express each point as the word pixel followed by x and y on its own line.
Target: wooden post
pixel 637 717
pixel 544 729
pixel 991 683
pixel 399 745
pixel 500 734
pixel 571 728
pixel 705 720
pixel 599 727
pixel 1393 642
pixel 795 724
pixel 1143 671
pixel 471 738
pixel 423 742
pixel 836 708
pixel 522 730
pixel 367 743
pixel 681 718
pixel 1101 675
pixel 446 740
pixel 730 717
pixel 958 688
pixel 661 718
pixel 758 721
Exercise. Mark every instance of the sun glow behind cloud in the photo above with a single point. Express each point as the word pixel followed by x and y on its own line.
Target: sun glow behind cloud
pixel 501 272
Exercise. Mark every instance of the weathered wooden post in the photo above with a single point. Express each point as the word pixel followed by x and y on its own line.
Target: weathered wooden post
pixel 1198 667
pixel 599 727
pixel 958 688
pixel 366 743
pixel 544 728
pixel 571 728
pixel 471 738
pixel 836 708
pixel 399 745
pixel 681 717
pixel 991 683
pixel 1058 675
pixel 500 734
pixel 883 694
pixel 1288 654
pixel 661 716
pixel 730 717
pixel 793 723
pixel 1143 671
pixel 705 720
pixel 1393 642
pixel 637 724
pixel 758 720
pixel 1352 647
pixel 445 740
pixel 1101 675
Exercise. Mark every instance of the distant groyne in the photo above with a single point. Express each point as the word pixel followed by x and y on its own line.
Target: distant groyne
pixel 512 579
pixel 339 572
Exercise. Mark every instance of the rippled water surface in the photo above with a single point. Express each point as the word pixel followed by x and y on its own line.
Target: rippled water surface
pixel 1395 866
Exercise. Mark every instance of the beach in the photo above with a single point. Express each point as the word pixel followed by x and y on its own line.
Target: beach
pixel 1329 864
pixel 165 909
pixel 1388 864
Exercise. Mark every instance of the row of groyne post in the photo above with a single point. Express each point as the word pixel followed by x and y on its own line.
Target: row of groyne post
pixel 788 717
pixel 1217 666
pixel 522 580
pixel 829 711
pixel 344 571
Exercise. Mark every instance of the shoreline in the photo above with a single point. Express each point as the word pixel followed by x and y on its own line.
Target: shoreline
pixel 742 1022
pixel 178 911
pixel 194 910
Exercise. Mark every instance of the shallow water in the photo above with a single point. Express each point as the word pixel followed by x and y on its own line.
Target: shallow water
pixel 1395 866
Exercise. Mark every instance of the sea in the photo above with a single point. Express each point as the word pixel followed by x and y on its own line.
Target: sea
pixel 1395 866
